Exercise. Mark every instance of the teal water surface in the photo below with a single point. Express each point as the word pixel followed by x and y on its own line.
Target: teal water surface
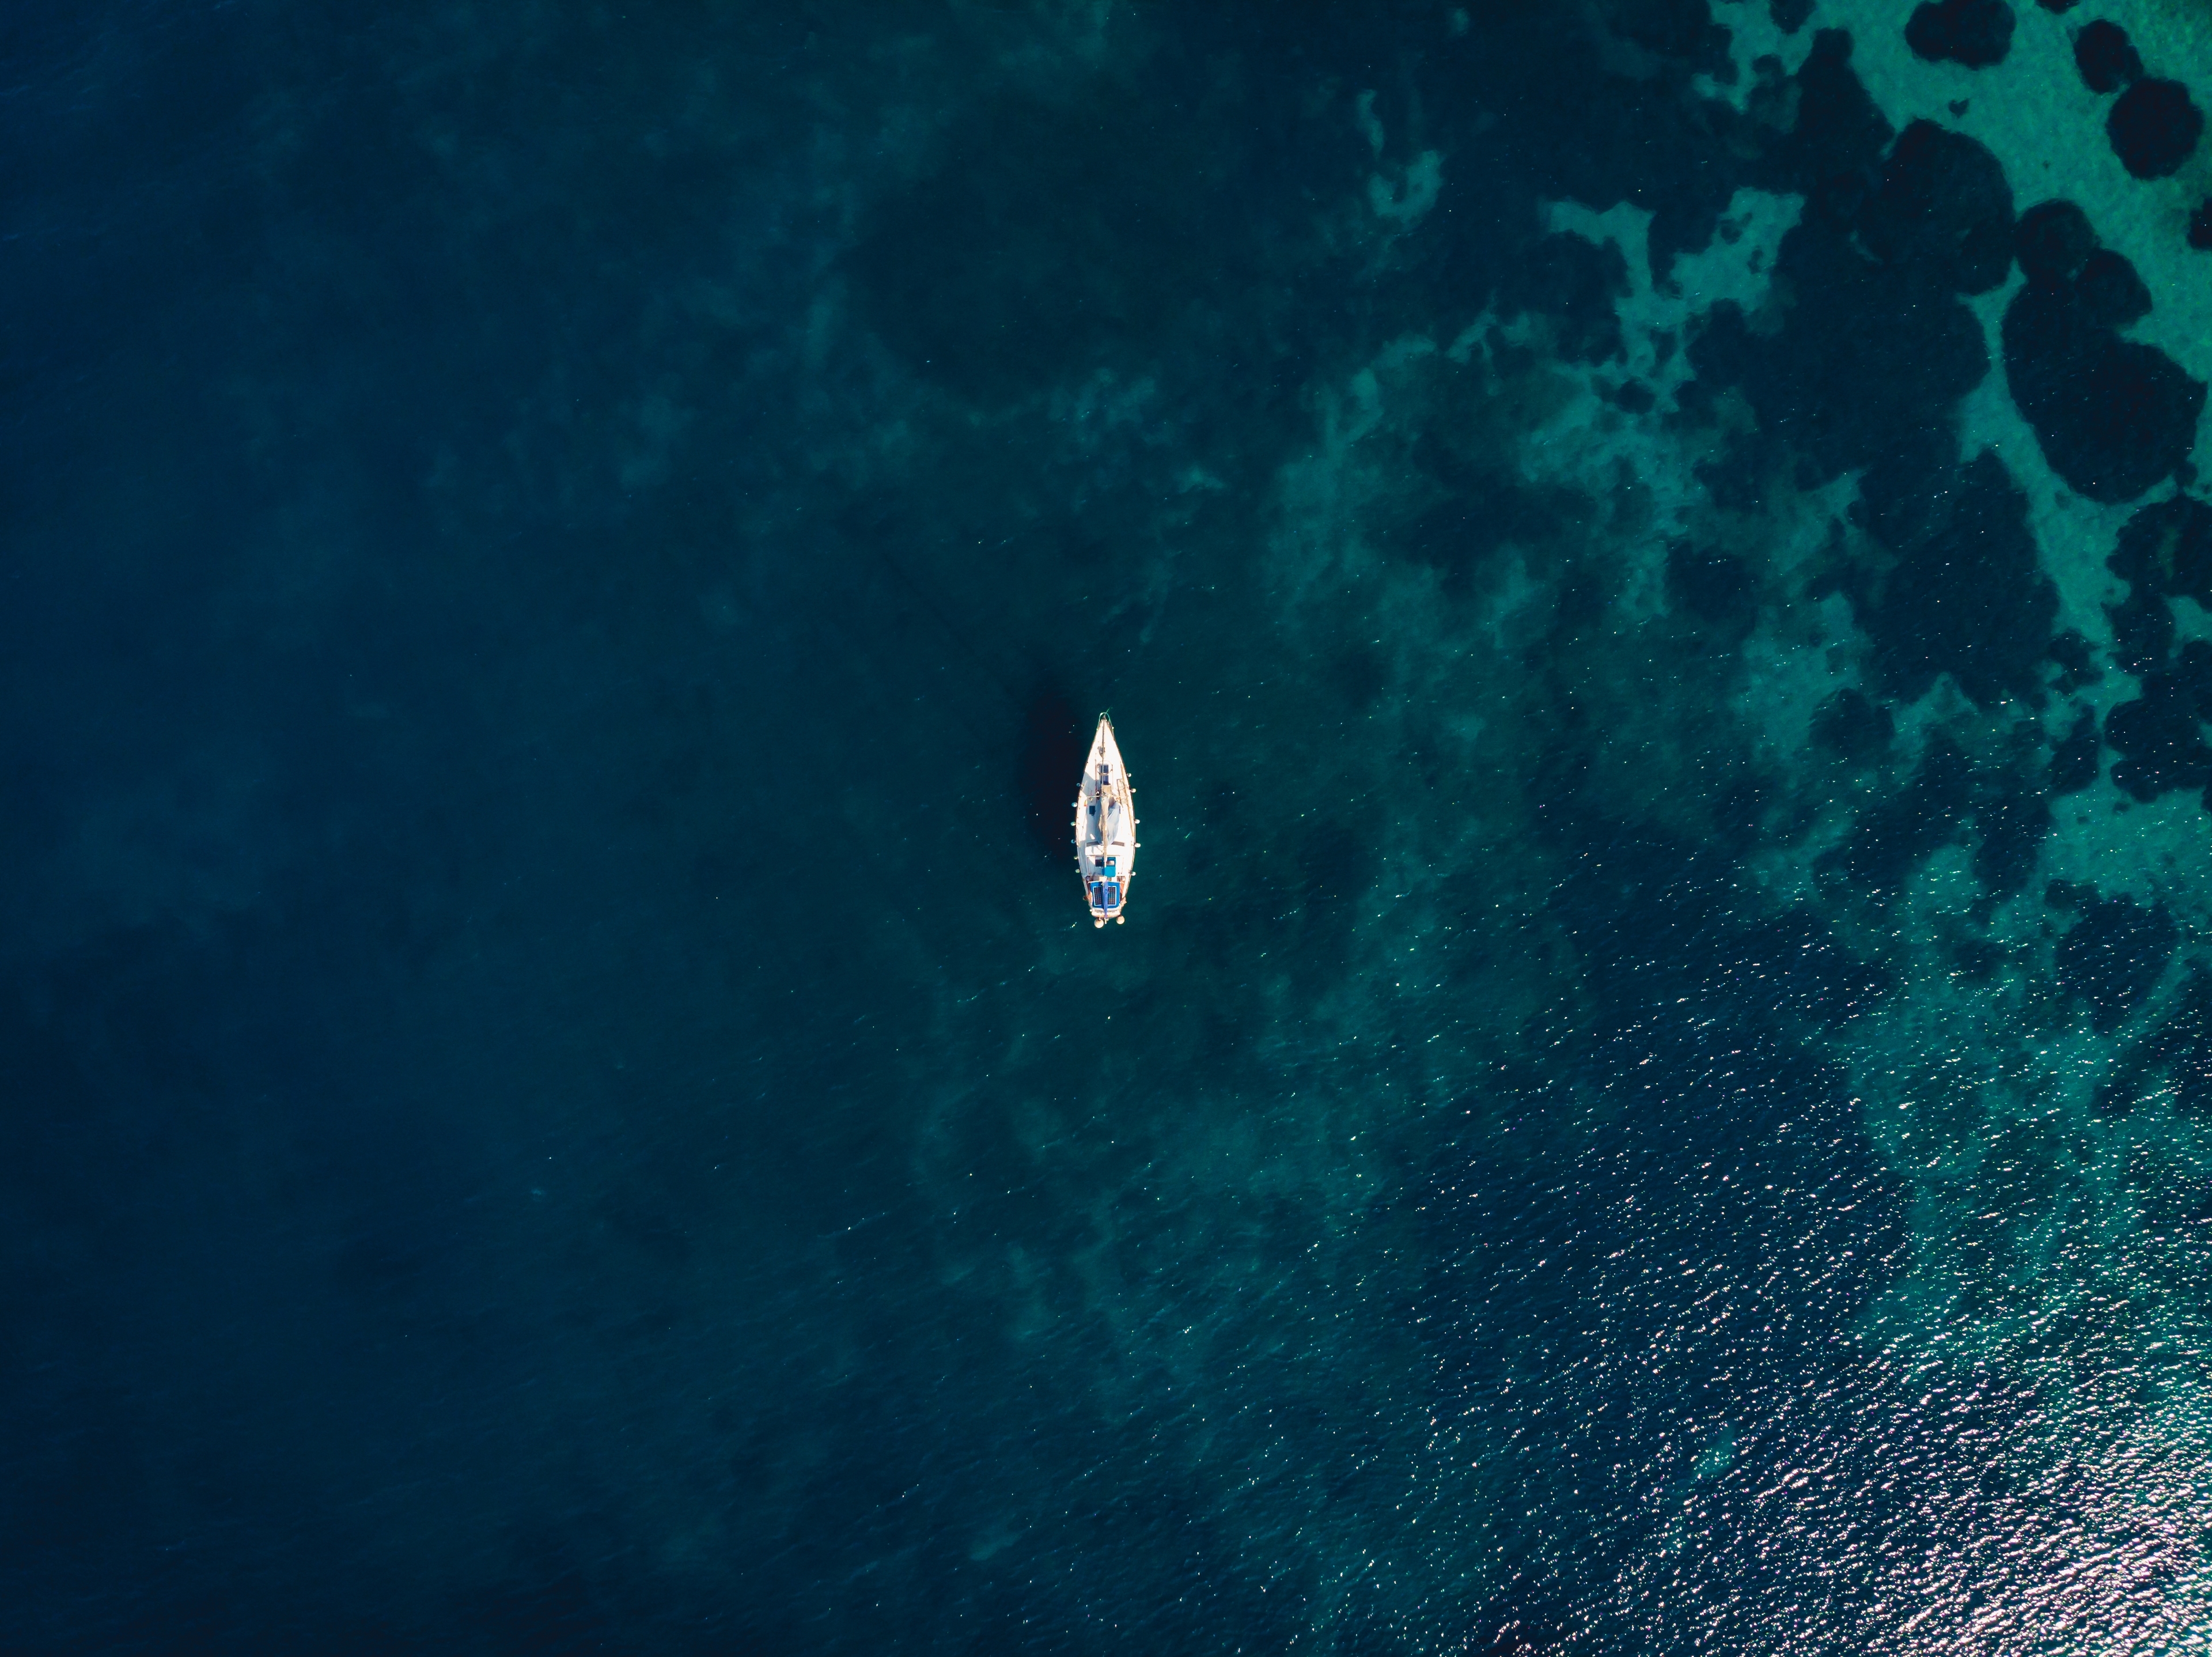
pixel 1647 566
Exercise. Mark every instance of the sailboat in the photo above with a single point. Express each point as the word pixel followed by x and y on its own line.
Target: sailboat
pixel 1105 827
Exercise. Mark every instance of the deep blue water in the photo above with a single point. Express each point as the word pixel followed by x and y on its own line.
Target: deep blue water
pixel 559 563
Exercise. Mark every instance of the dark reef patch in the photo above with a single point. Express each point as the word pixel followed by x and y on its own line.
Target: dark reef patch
pixel 2052 242
pixel 1681 30
pixel 2009 811
pixel 1575 281
pixel 2113 956
pixel 1714 586
pixel 1739 478
pixel 2142 632
pixel 2076 760
pixel 2200 226
pixel 1578 127
pixel 2013 819
pixel 1477 512
pixel 1943 205
pixel 2179 1053
pixel 2105 57
pixel 1967 597
pixel 2164 552
pixel 1870 357
pixel 2109 292
pixel 2161 741
pixel 2113 416
pixel 1789 15
pixel 2166 548
pixel 2193 669
pixel 1839 135
pixel 1853 727
pixel 1975 33
pixel 2153 127
pixel 1929 813
pixel 1977 960
pixel 2078 666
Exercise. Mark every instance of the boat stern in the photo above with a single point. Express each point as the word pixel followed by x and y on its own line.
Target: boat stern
pixel 1108 889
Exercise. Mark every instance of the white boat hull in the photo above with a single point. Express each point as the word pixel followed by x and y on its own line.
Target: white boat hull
pixel 1105 828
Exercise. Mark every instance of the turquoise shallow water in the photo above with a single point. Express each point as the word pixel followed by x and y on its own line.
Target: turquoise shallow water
pixel 1650 578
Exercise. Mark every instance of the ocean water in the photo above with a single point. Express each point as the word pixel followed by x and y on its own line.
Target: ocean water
pixel 559 1096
